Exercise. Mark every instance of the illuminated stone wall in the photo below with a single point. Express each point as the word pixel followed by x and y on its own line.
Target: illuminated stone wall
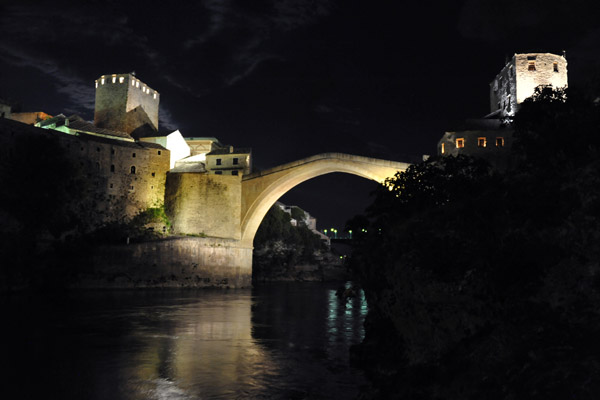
pixel 112 188
pixel 521 75
pixel 174 262
pixel 204 204
pixel 119 98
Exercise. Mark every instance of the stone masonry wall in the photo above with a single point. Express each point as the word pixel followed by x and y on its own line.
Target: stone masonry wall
pixel 174 262
pixel 203 204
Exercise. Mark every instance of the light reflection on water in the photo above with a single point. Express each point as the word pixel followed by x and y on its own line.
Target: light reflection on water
pixel 287 341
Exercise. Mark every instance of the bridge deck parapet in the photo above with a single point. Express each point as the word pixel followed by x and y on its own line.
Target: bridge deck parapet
pixel 329 156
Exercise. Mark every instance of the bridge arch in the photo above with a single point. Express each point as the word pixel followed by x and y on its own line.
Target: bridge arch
pixel 262 189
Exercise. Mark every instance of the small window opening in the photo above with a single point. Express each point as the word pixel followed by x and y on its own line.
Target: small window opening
pixel 481 142
pixel 102 81
pixel 234 172
pixel 131 187
pixel 499 142
pixel 154 95
pixel 443 150
pixel 159 152
pixel 111 185
pixel 133 82
pixel 133 155
pixel 112 168
pixel 112 151
pixel 153 174
pixel 98 149
pixel 218 172
pixel 98 166
pixel 121 79
pixel 137 84
pixel 555 67
pixel 531 66
pixel 460 143
pixel 218 161
pixel 96 84
pixel 235 161
pixel 531 57
pixel 133 169
pixel 114 79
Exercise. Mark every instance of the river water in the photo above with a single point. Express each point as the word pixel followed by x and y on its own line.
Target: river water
pixel 284 341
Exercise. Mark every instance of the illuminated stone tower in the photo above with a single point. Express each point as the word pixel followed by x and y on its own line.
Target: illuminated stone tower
pixel 124 103
pixel 521 75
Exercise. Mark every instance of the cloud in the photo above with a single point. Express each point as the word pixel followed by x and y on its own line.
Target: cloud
pixel 80 92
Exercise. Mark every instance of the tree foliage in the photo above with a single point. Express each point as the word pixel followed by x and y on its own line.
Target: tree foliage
pixel 477 280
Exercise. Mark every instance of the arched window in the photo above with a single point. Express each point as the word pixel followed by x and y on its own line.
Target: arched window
pixel 133 169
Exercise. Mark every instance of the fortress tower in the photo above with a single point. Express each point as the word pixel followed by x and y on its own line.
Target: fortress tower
pixel 519 78
pixel 124 103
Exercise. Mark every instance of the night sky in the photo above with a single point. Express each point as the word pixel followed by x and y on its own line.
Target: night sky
pixel 293 78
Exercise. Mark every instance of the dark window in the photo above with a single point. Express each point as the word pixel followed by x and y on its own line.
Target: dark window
pixel 531 57
pixel 218 172
pixel 112 168
pixel 151 187
pixel 133 155
pixel 131 187
pixel 112 151
pixel 133 169
pixel 218 161
pixel 111 185
pixel 234 172
pixel 235 161
pixel 97 148
pixel 159 152
pixel 153 174
pixel 555 67
pixel 531 66
pixel 98 166
pixel 499 142
pixel 481 142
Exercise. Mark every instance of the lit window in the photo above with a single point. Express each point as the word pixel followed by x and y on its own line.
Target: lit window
pixel 102 81
pixel 154 94
pixel 235 161
pixel 218 172
pixel 96 83
pixel 443 148
pixel 555 65
pixel 121 79
pixel 133 82
pixel 144 89
pixel 460 143
pixel 481 142
pixel 234 172
pixel 133 169
pixel 114 79
pixel 531 66
pixel 218 161
pixel 137 83
pixel 499 142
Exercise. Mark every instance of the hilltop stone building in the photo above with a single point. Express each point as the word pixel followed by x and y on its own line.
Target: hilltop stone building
pixel 491 137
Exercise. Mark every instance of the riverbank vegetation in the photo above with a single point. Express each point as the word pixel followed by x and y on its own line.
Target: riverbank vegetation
pixel 279 247
pixel 486 284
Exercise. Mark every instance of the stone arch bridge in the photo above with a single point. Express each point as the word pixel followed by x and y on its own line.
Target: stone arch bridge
pixel 260 190
pixel 217 216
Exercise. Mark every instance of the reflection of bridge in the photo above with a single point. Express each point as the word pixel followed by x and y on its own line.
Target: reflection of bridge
pixel 228 210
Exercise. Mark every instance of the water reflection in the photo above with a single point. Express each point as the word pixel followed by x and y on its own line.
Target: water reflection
pixel 280 341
